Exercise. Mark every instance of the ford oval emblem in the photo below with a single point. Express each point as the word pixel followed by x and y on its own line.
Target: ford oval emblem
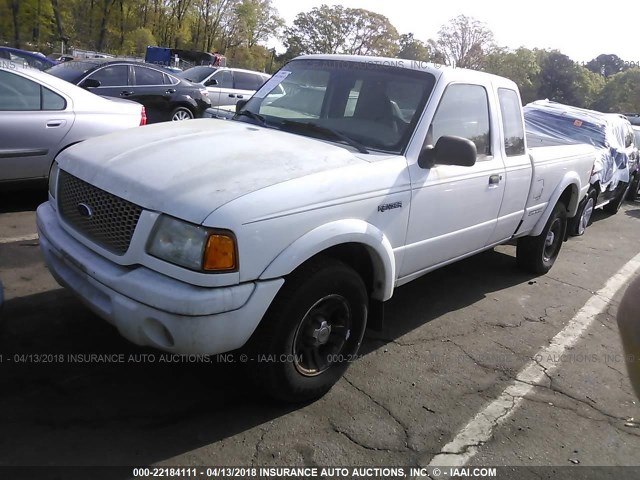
pixel 85 210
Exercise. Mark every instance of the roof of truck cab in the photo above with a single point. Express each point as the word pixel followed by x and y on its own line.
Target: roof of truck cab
pixel 439 71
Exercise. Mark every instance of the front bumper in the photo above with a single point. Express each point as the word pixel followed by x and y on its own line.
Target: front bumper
pixel 149 308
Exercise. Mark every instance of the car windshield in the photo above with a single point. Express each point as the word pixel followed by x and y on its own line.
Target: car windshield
pixel 71 71
pixel 636 133
pixel 373 105
pixel 197 74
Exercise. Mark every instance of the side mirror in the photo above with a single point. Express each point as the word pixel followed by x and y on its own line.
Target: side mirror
pixel 240 104
pixel 90 83
pixel 211 83
pixel 449 150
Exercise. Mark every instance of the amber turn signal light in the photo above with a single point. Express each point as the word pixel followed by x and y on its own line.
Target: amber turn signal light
pixel 220 253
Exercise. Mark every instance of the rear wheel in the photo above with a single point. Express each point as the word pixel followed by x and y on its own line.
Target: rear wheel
pixel 538 254
pixel 579 223
pixel 311 332
pixel 614 205
pixel 634 188
pixel 180 114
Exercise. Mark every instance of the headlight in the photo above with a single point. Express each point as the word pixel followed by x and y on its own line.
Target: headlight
pixel 53 179
pixel 192 246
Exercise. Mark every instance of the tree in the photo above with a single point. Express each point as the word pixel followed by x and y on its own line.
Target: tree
pixel 464 41
pixel 413 49
pixel 606 65
pixel 337 29
pixel 260 21
pixel 621 93
pixel 521 66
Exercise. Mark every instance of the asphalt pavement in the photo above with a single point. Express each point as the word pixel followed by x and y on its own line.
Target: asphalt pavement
pixel 76 393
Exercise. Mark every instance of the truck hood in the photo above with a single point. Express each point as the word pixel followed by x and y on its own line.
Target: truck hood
pixel 189 169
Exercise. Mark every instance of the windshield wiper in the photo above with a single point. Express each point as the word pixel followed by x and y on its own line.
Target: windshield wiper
pixel 252 115
pixel 314 127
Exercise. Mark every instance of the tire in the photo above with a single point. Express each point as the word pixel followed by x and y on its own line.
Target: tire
pixel 181 114
pixel 614 205
pixel 538 254
pixel 634 188
pixel 584 216
pixel 310 333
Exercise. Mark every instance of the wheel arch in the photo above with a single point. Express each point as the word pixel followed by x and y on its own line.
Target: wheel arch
pixel 356 243
pixel 569 193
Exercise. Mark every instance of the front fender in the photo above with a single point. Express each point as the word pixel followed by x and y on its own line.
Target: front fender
pixel 338 233
pixel 570 180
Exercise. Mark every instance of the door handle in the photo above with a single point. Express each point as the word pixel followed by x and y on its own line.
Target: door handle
pixel 126 93
pixel 170 91
pixel 240 96
pixel 55 123
pixel 494 180
pixel 231 95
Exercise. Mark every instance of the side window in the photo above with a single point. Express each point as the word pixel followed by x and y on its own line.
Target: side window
pixel 463 112
pixel 512 126
pixel 18 94
pixel 52 101
pixel 147 76
pixel 244 81
pixel 113 76
pixel 224 78
pixel 169 80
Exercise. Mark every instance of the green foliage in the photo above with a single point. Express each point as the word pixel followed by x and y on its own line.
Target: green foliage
pixel 413 49
pixel 240 29
pixel 621 93
pixel 337 29
pixel 521 66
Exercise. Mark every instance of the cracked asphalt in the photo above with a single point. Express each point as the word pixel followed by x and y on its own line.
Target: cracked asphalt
pixel 453 341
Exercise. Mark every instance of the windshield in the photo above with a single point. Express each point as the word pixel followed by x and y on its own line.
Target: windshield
pixel 636 133
pixel 376 106
pixel 71 71
pixel 197 74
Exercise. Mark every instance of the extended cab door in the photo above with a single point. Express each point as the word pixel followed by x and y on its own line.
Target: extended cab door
pixel 454 209
pixel 518 169
pixel 33 122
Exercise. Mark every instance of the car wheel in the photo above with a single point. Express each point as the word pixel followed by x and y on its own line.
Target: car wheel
pixel 614 205
pixel 634 189
pixel 311 332
pixel 181 113
pixel 538 254
pixel 578 224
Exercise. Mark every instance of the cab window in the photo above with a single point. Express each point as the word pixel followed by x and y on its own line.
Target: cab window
pixel 463 112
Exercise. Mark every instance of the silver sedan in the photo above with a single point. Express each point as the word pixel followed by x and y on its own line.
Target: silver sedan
pixel 41 115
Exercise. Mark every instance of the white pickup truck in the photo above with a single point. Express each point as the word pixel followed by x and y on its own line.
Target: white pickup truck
pixel 283 230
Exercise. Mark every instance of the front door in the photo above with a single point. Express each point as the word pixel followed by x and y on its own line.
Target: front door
pixel 454 209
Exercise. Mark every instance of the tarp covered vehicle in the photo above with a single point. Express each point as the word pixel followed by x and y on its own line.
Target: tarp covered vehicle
pixel 615 173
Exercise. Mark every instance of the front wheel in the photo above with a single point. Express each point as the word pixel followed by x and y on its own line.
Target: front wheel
pixel 180 114
pixel 311 332
pixel 538 254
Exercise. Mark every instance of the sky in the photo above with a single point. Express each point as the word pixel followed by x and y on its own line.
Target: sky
pixel 582 30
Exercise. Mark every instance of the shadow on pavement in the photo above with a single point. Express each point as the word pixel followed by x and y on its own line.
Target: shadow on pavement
pixel 24 199
pixel 61 409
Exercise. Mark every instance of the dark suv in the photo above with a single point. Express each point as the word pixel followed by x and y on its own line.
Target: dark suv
pixel 165 96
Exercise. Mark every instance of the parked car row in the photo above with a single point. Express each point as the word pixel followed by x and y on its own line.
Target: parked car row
pixel 615 175
pixel 42 115
pixel 164 95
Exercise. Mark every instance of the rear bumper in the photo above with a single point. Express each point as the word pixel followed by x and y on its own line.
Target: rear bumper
pixel 149 308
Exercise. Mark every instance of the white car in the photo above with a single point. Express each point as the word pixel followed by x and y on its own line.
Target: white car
pixel 284 230
pixel 41 115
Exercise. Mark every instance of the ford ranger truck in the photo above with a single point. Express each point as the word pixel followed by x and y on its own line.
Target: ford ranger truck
pixel 341 179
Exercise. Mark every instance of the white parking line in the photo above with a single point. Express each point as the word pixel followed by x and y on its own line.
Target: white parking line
pixel 23 238
pixel 480 429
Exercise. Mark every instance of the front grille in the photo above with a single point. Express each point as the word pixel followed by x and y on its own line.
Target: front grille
pixel 102 217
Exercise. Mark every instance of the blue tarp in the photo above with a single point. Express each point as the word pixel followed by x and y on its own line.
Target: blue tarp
pixel 550 123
